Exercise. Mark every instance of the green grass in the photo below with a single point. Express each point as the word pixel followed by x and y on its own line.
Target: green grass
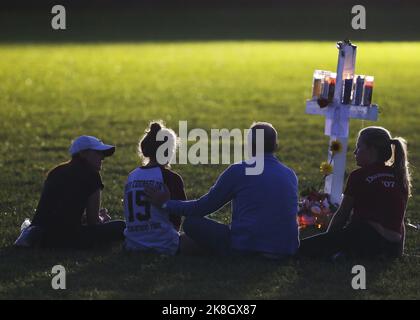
pixel 50 94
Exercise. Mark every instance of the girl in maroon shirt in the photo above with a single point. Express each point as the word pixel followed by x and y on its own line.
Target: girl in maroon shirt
pixel 370 220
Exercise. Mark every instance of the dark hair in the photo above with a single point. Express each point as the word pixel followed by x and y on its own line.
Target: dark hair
pixel 381 141
pixel 149 144
pixel 270 137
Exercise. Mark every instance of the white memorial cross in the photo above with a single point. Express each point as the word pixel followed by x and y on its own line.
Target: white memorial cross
pixel 337 119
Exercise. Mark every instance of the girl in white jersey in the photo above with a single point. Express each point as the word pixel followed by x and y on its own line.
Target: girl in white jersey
pixel 149 228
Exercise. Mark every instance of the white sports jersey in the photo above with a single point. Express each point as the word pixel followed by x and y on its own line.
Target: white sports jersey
pixel 147 227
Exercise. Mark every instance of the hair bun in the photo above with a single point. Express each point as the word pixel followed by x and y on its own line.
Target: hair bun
pixel 155 127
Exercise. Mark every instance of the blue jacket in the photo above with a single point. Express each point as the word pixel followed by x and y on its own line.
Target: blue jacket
pixel 264 207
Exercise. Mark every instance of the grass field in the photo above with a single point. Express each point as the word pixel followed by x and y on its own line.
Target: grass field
pixel 50 94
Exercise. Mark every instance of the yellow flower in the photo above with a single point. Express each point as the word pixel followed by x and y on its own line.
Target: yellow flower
pixel 336 146
pixel 325 168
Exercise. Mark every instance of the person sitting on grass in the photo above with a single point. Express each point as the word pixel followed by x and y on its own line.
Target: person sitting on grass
pixel 71 195
pixel 264 206
pixel 149 228
pixel 377 194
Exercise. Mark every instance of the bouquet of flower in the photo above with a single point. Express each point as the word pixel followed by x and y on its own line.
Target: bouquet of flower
pixel 315 207
pixel 316 210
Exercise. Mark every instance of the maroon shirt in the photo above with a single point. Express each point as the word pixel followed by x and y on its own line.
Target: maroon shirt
pixel 378 196
pixel 175 185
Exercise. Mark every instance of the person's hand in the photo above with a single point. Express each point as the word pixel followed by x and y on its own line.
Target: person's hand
pixel 103 215
pixel 156 196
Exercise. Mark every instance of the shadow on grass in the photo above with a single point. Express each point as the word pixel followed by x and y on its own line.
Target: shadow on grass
pixel 110 273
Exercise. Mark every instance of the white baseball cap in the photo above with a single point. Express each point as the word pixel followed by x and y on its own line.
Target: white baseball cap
pixel 91 143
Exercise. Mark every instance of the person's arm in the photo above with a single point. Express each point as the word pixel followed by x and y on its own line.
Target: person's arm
pixel 220 194
pixel 351 191
pixel 341 217
pixel 92 209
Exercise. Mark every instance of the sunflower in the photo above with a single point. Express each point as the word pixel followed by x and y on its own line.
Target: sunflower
pixel 335 146
pixel 326 168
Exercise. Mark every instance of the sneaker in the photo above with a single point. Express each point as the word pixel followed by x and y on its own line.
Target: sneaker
pixel 29 237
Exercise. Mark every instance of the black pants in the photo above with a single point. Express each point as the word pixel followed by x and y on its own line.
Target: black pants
pixel 357 240
pixel 85 236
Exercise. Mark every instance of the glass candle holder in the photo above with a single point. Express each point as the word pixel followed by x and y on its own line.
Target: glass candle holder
pixel 348 86
pixel 358 90
pixel 326 84
pixel 331 86
pixel 317 84
pixel 368 91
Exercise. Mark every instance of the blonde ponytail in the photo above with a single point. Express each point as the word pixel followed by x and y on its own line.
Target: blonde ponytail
pixel 401 164
pixel 391 151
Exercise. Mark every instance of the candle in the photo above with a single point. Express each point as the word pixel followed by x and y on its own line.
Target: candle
pixel 368 91
pixel 305 220
pixel 358 90
pixel 325 88
pixel 317 84
pixel 331 86
pixel 348 84
pixel 317 87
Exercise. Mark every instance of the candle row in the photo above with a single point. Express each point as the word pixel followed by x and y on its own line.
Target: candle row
pixel 356 90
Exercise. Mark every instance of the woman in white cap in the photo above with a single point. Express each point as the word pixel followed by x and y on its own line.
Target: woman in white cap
pixel 71 195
